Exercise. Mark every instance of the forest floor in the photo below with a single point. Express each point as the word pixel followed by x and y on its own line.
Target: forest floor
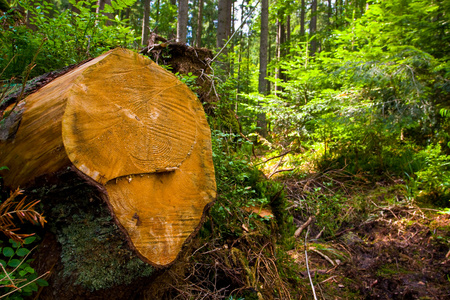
pixel 363 241
pixel 388 248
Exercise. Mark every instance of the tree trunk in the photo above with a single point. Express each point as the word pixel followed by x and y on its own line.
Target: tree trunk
pixel 182 24
pixel 198 41
pixel 288 28
pixel 145 23
pixel 263 47
pixel 229 13
pixel 313 27
pixel 263 51
pixel 130 129
pixel 222 26
pixel 302 18
pixel 101 7
pixel 330 13
pixel 281 40
pixel 223 32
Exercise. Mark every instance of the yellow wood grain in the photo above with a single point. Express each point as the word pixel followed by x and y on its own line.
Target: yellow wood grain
pixel 136 129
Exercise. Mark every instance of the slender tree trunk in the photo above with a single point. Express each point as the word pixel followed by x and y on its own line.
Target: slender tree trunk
pixel 145 23
pixel 313 27
pixel 229 18
pixel 248 62
pixel 230 33
pixel 288 28
pixel 281 40
pixel 223 23
pixel 223 31
pixel 330 12
pixel 198 42
pixel 287 40
pixel 263 49
pixel 302 18
pixel 101 7
pixel 183 7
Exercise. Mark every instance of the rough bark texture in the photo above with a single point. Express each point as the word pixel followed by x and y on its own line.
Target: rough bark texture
pixel 101 6
pixel 302 18
pixel 263 52
pixel 198 41
pixel 145 22
pixel 183 7
pixel 223 33
pixel 313 27
pixel 132 130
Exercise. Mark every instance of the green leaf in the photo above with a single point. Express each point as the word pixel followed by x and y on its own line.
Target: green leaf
pixel 32 287
pixel 3 262
pixel 4 168
pixel 22 252
pixel 14 243
pixel 29 270
pixel 108 9
pixel 8 251
pixel 29 240
pixel 42 282
pixel 14 262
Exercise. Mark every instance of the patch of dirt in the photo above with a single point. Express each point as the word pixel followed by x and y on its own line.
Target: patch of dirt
pixel 401 255
pixel 398 253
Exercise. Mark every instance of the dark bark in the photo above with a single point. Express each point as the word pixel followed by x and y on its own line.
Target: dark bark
pixel 223 23
pixel 302 18
pixel 223 32
pixel 263 51
pixel 101 7
pixel 330 12
pixel 313 28
pixel 145 22
pixel 182 21
pixel 198 41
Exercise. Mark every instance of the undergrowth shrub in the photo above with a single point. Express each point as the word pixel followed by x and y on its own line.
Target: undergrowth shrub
pixel 17 278
pixel 241 188
pixel 433 180
pixel 71 36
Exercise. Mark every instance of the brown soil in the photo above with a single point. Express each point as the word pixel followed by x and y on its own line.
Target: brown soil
pixel 400 252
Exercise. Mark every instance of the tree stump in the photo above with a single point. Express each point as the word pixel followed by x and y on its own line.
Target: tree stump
pixel 131 129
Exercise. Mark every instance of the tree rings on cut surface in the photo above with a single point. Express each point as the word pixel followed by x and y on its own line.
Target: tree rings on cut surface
pixel 133 128
pixel 140 119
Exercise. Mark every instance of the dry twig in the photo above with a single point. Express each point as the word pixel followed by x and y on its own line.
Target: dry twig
pixel 301 228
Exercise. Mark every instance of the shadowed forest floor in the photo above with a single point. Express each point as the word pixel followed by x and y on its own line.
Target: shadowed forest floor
pixel 370 243
pixel 396 251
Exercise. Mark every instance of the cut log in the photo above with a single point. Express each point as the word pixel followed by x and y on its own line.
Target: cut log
pixel 132 129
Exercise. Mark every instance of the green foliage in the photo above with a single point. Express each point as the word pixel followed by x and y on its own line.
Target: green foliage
pixel 370 102
pixel 240 187
pixel 18 279
pixel 71 36
pixel 433 180
pixel 188 79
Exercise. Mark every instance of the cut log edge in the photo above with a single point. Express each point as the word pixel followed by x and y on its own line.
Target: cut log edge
pixel 105 198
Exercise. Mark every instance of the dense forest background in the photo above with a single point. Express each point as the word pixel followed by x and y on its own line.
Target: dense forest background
pixel 332 111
